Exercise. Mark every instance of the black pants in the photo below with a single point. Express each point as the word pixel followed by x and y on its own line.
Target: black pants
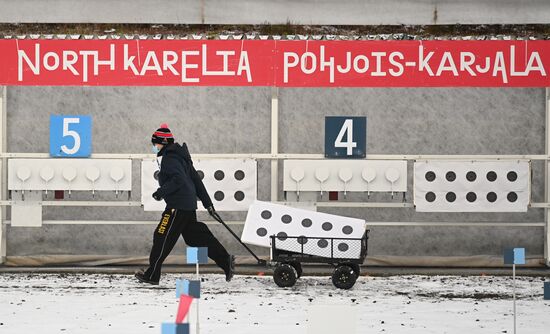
pixel 196 234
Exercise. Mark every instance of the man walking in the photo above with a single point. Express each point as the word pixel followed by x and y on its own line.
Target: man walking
pixel 180 185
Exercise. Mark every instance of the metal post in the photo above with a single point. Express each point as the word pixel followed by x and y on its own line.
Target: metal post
pixel 3 174
pixel 274 143
pixel 198 299
pixel 547 182
pixel 514 294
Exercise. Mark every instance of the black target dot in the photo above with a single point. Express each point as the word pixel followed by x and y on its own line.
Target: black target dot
pixel 156 175
pixel 347 229
pixel 322 243
pixel 450 176
pixel 326 226
pixel 492 197
pixel 512 176
pixel 302 240
pixel 201 174
pixel 343 247
pixel 430 196
pixel 266 214
pixel 286 219
pixel 239 196
pixel 307 222
pixel 471 197
pixel 430 176
pixel 262 232
pixel 219 175
pixel 512 197
pixel 491 176
pixel 450 197
pixel 471 176
pixel 219 195
pixel 281 236
pixel 239 175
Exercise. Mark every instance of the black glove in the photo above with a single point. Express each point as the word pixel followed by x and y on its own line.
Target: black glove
pixel 211 210
pixel 157 196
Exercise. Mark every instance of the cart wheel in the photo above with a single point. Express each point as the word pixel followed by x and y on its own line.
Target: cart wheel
pixel 298 266
pixel 356 269
pixel 344 277
pixel 284 275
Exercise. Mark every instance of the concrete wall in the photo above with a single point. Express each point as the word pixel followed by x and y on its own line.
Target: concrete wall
pixel 315 12
pixel 237 120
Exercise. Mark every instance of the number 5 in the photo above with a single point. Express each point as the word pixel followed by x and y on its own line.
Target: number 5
pixel 74 134
pixel 349 144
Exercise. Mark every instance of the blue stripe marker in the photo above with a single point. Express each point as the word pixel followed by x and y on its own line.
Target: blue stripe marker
pixel 197 255
pixel 187 287
pixel 172 328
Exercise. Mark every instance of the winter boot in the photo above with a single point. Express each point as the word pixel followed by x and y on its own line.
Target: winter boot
pixel 140 275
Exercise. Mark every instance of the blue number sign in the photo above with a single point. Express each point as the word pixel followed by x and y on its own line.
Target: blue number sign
pixel 345 137
pixel 70 136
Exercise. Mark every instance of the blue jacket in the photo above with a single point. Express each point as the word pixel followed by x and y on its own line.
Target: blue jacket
pixel 180 184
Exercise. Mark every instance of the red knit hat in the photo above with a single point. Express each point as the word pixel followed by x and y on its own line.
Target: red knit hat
pixel 163 135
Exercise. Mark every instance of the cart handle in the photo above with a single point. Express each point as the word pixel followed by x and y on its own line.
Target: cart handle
pixel 217 217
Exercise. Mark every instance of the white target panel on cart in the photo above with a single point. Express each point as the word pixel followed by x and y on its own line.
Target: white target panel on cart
pixel 472 186
pixel 231 183
pixel 299 230
pixel 345 175
pixel 70 174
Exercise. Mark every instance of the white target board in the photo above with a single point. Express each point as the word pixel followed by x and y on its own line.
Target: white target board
pixel 345 175
pixel 299 230
pixel 472 186
pixel 70 174
pixel 231 183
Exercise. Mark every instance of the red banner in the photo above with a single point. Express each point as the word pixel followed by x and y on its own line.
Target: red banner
pixel 275 63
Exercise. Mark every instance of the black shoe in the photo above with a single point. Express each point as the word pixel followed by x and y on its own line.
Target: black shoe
pixel 229 274
pixel 140 275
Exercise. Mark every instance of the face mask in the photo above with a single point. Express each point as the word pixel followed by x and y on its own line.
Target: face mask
pixel 155 149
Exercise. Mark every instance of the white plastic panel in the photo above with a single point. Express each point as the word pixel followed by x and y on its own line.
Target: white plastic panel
pixel 70 174
pixel 472 186
pixel 26 210
pixel 231 183
pixel 265 219
pixel 345 175
pixel 26 214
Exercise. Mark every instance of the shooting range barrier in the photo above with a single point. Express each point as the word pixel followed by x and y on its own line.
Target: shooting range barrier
pixel 281 172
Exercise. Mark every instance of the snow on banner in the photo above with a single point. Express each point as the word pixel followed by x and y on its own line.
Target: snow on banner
pixel 275 63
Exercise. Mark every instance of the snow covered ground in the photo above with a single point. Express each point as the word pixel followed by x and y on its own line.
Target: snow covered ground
pixel 79 303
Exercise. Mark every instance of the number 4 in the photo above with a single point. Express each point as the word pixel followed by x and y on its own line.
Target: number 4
pixel 74 134
pixel 349 143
